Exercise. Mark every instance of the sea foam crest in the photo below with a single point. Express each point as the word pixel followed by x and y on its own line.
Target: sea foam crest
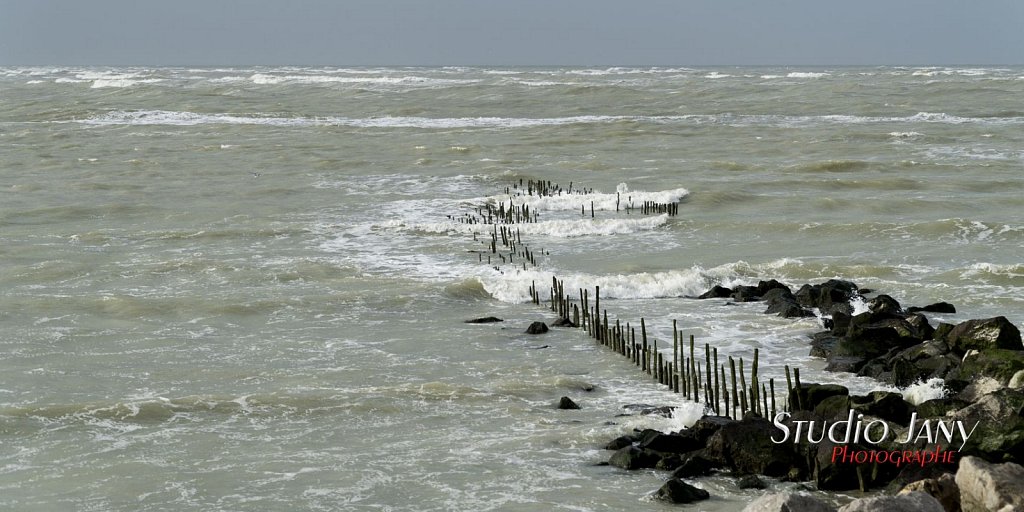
pixel 600 201
pixel 514 287
pixel 556 228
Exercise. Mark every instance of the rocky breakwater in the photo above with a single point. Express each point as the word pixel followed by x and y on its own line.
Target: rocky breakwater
pixel 980 363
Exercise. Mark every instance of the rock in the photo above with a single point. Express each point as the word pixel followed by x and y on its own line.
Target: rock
pixel 999 436
pixel 909 502
pixel 706 426
pixel 537 328
pixel 619 442
pixel 775 294
pixel 840 322
pixel 1017 381
pixel 942 330
pixel 833 407
pixel 990 487
pixel 751 482
pixel 678 491
pixel 943 489
pixel 788 502
pixel 787 309
pixel 810 395
pixel 938 407
pixel 745 294
pixel 693 466
pixel 985 334
pixel 884 304
pixel 563 322
pixel 669 462
pixel 484 320
pixel 632 457
pixel 999 364
pixel 883 404
pixel 567 403
pixel 763 287
pixel 716 292
pixel 669 443
pixel 920 322
pixel 822 296
pixel 745 447
pixel 871 336
pixel 938 307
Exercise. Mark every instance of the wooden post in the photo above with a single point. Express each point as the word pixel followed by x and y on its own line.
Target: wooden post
pixel 725 392
pixel 771 384
pixel 735 394
pixel 744 390
pixel 717 408
pixel 753 383
pixel 789 389
pixel 799 401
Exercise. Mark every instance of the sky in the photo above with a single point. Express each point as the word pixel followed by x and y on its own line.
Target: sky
pixel 511 32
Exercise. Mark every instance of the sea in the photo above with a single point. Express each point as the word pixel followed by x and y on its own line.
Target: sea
pixel 244 289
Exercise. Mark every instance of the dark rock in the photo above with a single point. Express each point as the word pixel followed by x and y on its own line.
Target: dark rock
pixel 942 330
pixel 823 344
pixel 911 473
pixel 788 502
pixel 938 307
pixel 938 407
pixel 840 323
pixel 484 320
pixel 777 294
pixel 567 403
pixel 822 296
pixel 751 482
pixel 832 474
pixel 1000 433
pixel 867 338
pixel 763 287
pixel 664 411
pixel 865 291
pixel 813 394
pixel 693 466
pixel 669 462
pixel 833 408
pixel 632 457
pixel 787 309
pixel 884 304
pixel 619 443
pixel 909 502
pixel 678 491
pixel 669 443
pixel 920 322
pixel 984 334
pixel 943 489
pixel 716 292
pixel 563 322
pixel 999 364
pixel 883 404
pixel 745 447
pixel 702 430
pixel 537 328
pixel 745 294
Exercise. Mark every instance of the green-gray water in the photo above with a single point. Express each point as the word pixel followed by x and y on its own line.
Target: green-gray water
pixel 238 289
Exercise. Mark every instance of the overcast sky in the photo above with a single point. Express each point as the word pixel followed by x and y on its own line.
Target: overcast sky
pixel 510 32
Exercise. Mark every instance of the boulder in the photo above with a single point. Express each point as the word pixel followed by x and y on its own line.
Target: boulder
pixel 788 502
pixel 632 457
pixel 619 442
pixel 984 334
pixel 567 403
pixel 751 482
pixel 563 322
pixel 670 443
pixel 871 336
pixel 694 465
pixel 823 296
pixel 939 407
pixel 943 489
pixel 938 307
pixel 537 328
pixel 763 287
pixel 833 407
pixel 884 304
pixel 484 320
pixel 999 364
pixel 920 322
pixel 999 436
pixel 883 404
pixel 990 487
pixel 909 502
pixel 705 427
pixel 745 294
pixel 810 395
pixel 678 491
pixel 745 447
pixel 716 292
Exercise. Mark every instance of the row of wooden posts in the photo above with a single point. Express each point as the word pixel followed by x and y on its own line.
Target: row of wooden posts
pixel 703 380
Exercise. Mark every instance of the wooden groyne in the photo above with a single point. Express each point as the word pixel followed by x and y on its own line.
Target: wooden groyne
pixel 724 389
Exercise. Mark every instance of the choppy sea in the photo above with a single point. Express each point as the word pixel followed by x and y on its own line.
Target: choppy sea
pixel 243 289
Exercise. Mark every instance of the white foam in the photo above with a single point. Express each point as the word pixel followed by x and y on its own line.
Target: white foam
pixel 556 228
pixel 921 392
pixel 806 74
pixel 906 135
pixel 601 201
pixel 514 287
pixel 414 81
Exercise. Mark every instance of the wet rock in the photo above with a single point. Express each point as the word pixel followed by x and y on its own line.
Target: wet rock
pixel 920 322
pixel 751 482
pixel 563 322
pixel 823 296
pixel 884 304
pixel 716 292
pixel 694 465
pixel 567 403
pixel 678 491
pixel 990 487
pixel 745 447
pixel 943 489
pixel 833 407
pixel 619 442
pixel 702 430
pixel 810 395
pixel 999 436
pixel 999 364
pixel 537 328
pixel 883 404
pixel 870 336
pixel 984 334
pixel 909 502
pixel 938 307
pixel 484 320
pixel 788 502
pixel 669 443
pixel 669 462
pixel 632 457
pixel 938 407
pixel 763 287
pixel 744 294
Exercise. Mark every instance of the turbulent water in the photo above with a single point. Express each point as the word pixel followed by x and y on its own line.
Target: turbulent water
pixel 240 289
